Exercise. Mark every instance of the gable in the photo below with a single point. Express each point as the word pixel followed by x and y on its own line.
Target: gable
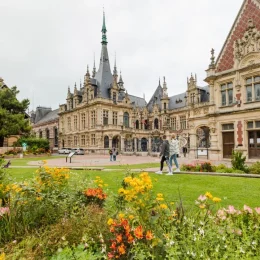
pixel 249 10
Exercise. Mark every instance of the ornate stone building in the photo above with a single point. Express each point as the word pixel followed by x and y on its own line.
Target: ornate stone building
pixel 215 119
pixel 45 124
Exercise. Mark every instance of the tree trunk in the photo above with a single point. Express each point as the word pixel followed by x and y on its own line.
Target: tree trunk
pixel 1 141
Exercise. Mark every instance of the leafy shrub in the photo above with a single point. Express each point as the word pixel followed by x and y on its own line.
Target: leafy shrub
pixel 14 151
pixel 34 144
pixel 255 168
pixel 238 161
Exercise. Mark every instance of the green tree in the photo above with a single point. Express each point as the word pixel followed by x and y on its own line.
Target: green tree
pixel 12 114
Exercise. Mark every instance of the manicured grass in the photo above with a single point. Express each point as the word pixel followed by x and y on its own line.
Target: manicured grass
pixel 235 191
pixel 132 166
pixel 24 161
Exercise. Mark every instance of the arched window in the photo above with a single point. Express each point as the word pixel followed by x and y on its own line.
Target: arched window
pixel 55 137
pixel 156 123
pixel 137 124
pixel 40 134
pixel 47 134
pixel 146 124
pixel 126 119
pixel 106 142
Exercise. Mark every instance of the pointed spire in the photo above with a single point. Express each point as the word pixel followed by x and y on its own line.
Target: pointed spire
pixel 121 83
pixel 87 73
pixel 104 30
pixel 80 85
pixel 212 63
pixel 159 82
pixel 94 68
pixel 115 68
pixel 165 94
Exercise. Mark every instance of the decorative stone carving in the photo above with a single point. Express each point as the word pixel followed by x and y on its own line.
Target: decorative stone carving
pixel 206 110
pixel 249 43
pixel 197 111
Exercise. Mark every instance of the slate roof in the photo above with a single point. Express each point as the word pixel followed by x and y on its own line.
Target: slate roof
pixel 155 99
pixel 52 115
pixel 137 101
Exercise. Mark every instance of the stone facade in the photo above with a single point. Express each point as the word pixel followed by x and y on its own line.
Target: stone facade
pixel 213 119
pixel 45 124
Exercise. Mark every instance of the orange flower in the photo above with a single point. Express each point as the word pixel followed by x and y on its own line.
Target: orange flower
pixel 130 239
pixel 121 249
pixel 139 232
pixel 113 246
pixel 149 235
pixel 119 238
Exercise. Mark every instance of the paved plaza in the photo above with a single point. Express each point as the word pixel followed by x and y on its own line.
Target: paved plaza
pixel 96 160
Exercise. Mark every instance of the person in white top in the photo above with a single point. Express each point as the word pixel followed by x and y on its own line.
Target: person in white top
pixel 174 148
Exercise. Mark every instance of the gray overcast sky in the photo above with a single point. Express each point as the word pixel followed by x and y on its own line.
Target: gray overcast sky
pixel 45 46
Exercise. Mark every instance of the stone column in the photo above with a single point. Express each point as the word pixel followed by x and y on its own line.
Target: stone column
pixel 149 144
pixel 110 142
pixel 211 91
pixel 122 144
pixel 135 142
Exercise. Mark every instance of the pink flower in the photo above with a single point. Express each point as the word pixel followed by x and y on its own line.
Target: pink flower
pixel 248 209
pixel 202 198
pixel 4 211
pixel 231 210
pixel 257 210
pixel 221 214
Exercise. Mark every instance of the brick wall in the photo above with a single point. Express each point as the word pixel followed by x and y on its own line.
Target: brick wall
pixel 252 11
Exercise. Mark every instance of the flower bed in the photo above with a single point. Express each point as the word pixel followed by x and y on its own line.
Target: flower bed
pixel 53 217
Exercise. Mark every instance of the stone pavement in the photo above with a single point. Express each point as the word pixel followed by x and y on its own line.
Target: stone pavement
pixel 104 160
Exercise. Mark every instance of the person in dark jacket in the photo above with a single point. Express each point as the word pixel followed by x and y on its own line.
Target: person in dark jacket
pixel 164 154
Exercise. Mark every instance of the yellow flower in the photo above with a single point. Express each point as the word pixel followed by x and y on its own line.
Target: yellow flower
pixel 163 206
pixel 208 195
pixel 2 256
pixel 131 217
pixel 121 215
pixel 202 206
pixel 44 161
pixel 38 198
pixel 159 199
pixel 159 195
pixel 172 203
pixel 110 221
pixel 215 199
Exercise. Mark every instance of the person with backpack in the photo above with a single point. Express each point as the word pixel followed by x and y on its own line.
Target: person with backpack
pixel 174 150
pixel 164 154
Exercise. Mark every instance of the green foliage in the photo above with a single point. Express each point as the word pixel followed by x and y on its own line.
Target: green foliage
pixel 255 168
pixel 12 114
pixel 238 161
pixel 35 145
pixel 198 167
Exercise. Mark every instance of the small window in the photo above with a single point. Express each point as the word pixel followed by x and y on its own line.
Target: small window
pixel 257 79
pixel 228 127
pixel 249 81
pixel 250 125
pixel 257 124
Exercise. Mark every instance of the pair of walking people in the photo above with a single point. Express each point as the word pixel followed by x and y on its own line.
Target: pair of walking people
pixel 170 150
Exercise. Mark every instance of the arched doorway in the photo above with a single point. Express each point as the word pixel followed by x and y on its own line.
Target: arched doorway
pixel 144 145
pixel 203 137
pixel 106 142
pixel 116 142
pixel 156 144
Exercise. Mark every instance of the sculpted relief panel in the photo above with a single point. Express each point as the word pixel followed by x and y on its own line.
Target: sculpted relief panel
pixel 248 44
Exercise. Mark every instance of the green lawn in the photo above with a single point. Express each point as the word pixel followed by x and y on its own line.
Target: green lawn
pixel 235 191
pixel 24 161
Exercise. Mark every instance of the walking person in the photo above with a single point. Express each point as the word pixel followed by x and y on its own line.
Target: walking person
pixel 111 155
pixel 114 152
pixel 174 148
pixel 164 154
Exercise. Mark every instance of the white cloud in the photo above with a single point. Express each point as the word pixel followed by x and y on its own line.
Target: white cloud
pixel 46 45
